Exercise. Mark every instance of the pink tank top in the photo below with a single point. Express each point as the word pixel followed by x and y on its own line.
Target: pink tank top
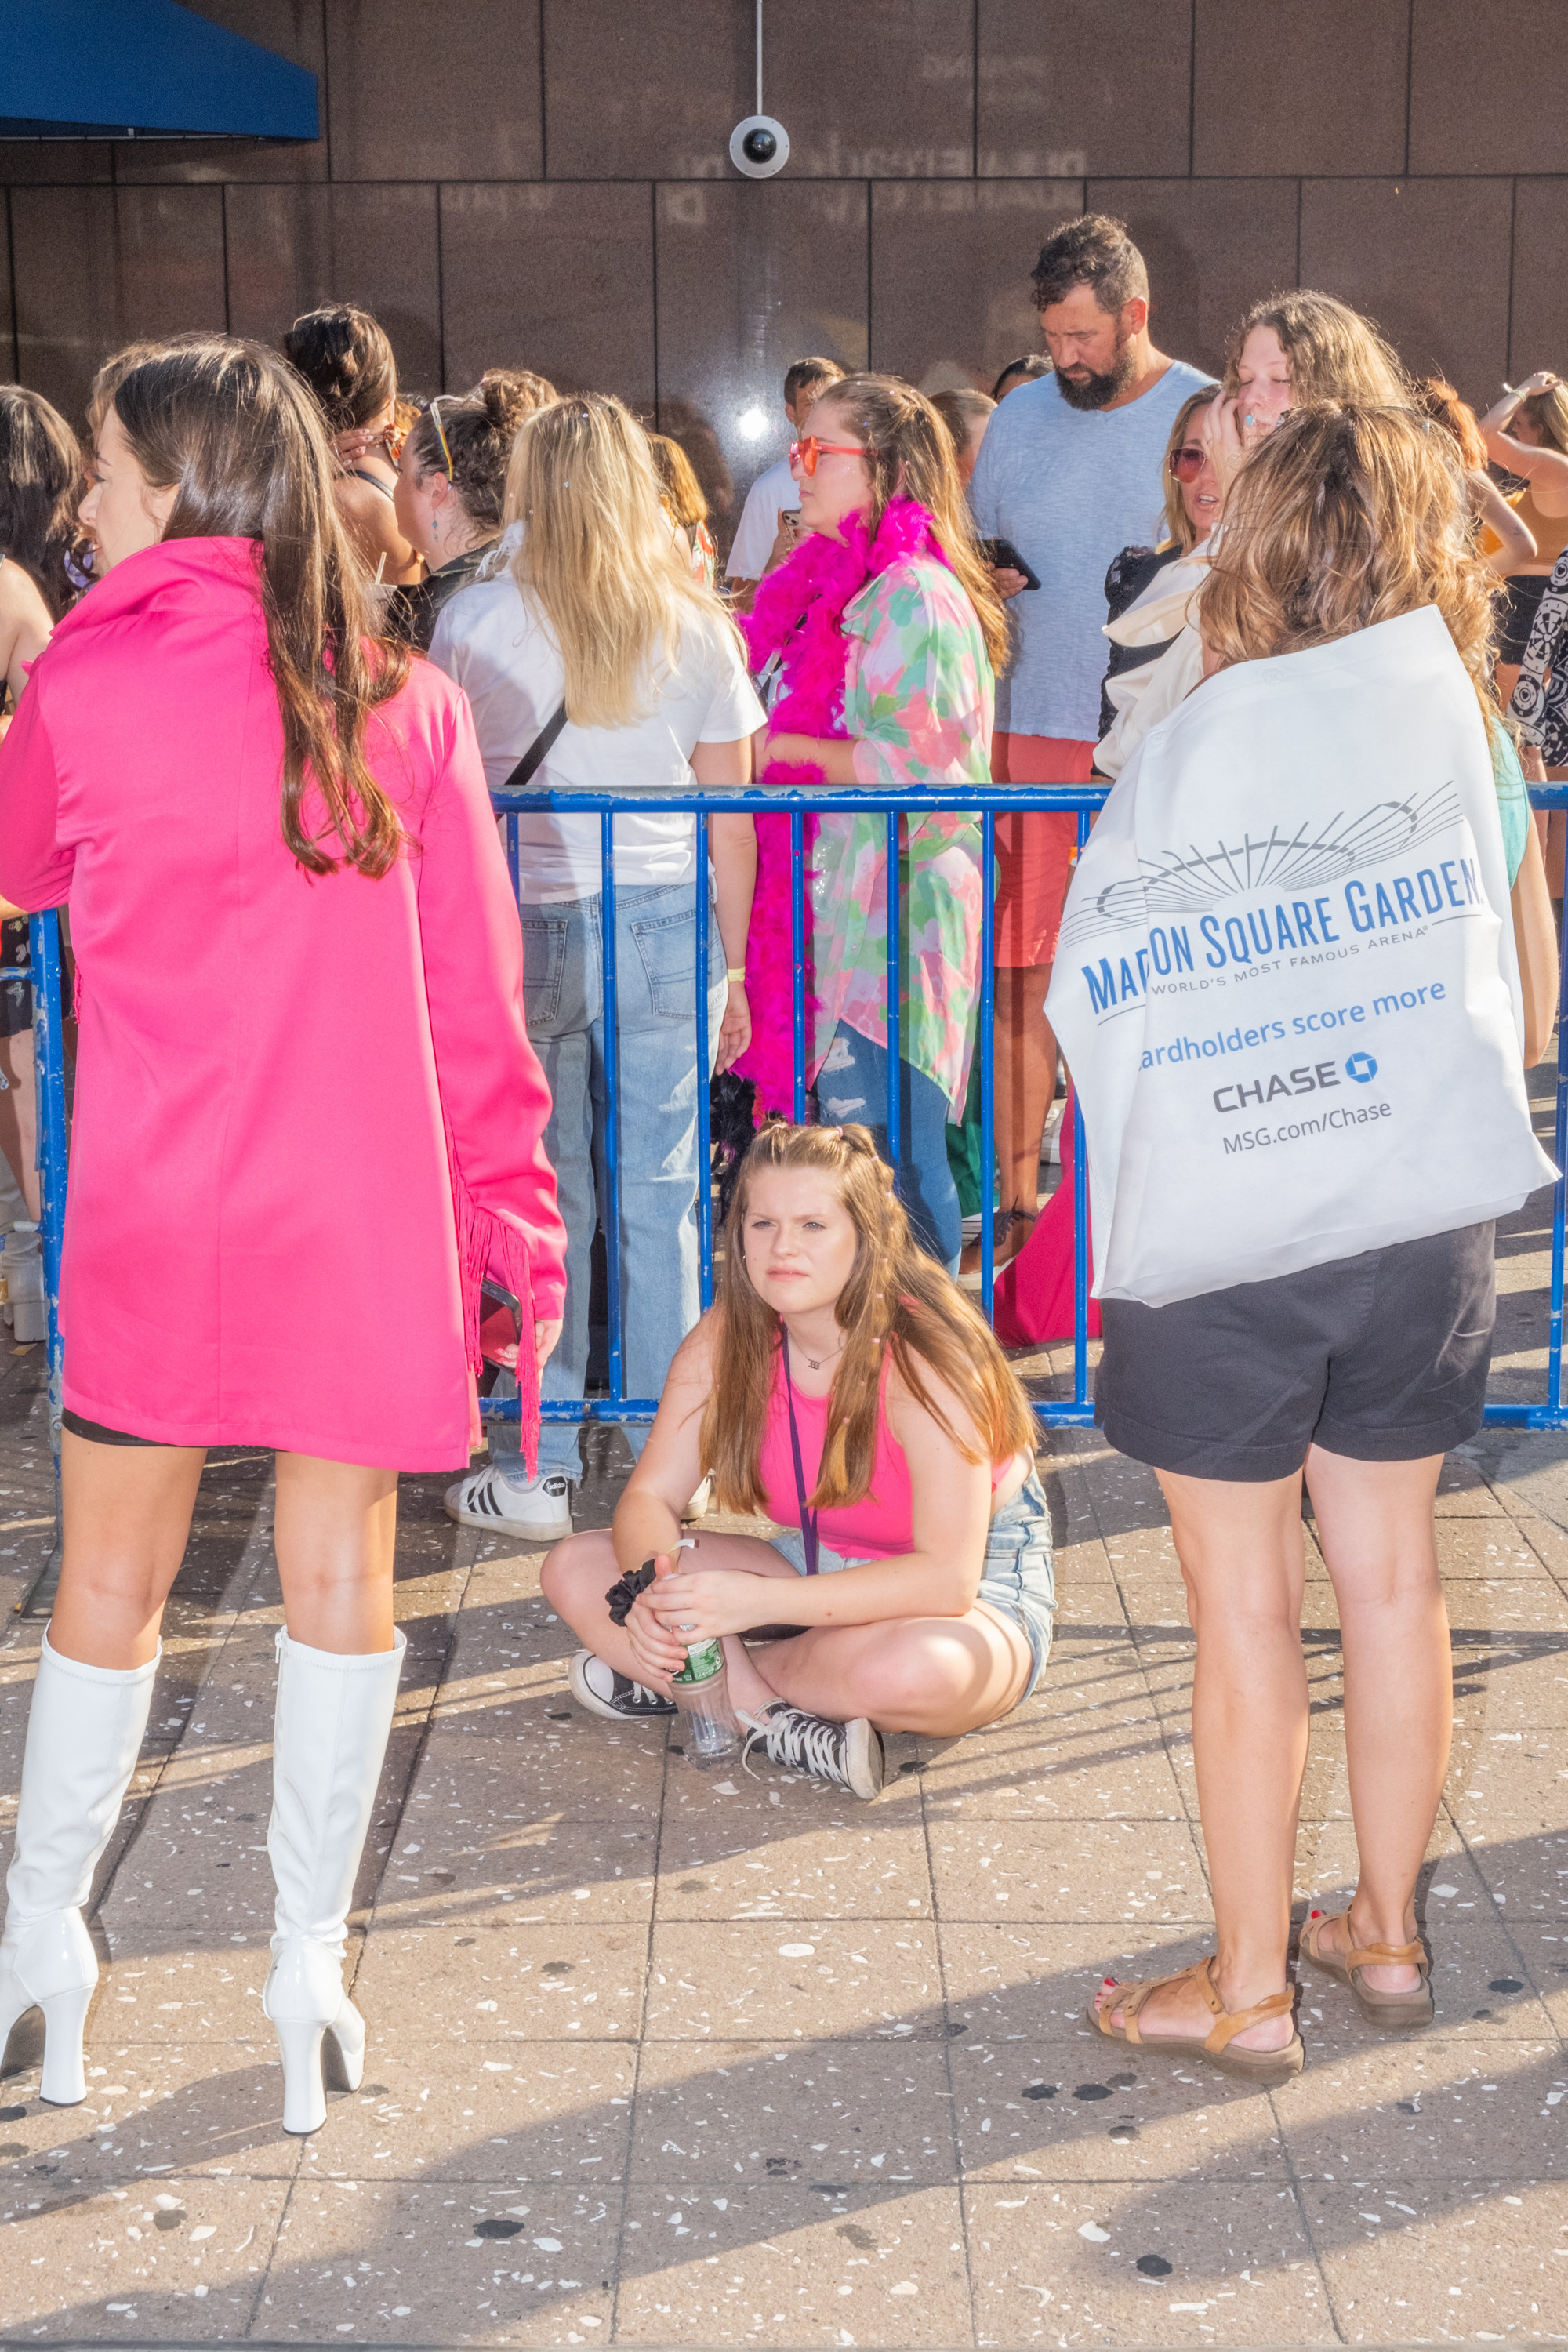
pixel 880 1526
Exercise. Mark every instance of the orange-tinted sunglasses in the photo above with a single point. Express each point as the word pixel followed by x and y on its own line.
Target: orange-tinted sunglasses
pixel 804 454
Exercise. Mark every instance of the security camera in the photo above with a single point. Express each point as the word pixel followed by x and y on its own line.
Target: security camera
pixel 759 146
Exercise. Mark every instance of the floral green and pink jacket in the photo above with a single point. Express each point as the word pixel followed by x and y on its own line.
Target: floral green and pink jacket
pixel 918 703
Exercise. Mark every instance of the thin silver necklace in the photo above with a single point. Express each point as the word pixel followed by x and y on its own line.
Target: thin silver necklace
pixel 816 1362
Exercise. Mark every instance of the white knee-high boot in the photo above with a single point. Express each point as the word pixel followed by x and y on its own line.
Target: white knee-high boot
pixel 329 1741
pixel 84 1734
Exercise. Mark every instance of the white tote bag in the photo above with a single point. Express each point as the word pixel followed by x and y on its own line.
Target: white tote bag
pixel 1286 985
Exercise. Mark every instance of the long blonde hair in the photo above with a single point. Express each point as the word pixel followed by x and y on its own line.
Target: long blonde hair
pixel 597 560
pixel 1548 412
pixel 1346 516
pixel 1176 515
pixel 910 449
pixel 1334 352
pixel 897 1302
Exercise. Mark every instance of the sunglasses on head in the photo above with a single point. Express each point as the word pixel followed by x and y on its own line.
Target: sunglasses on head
pixel 804 454
pixel 433 411
pixel 1187 463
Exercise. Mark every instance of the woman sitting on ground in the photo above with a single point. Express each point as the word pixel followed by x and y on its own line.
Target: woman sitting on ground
pixel 839 1358
pixel 451 486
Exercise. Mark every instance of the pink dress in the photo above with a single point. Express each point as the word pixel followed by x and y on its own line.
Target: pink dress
pixel 308 1114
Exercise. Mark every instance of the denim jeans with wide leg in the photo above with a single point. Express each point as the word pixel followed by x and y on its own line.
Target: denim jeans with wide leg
pixel 653 1035
pixel 852 1086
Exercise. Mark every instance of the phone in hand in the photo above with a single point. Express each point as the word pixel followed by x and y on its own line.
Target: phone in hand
pixel 1004 556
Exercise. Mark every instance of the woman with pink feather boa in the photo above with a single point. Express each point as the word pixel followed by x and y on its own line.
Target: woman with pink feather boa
pixel 879 637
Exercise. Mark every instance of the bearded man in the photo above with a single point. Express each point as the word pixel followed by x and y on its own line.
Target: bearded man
pixel 1070 472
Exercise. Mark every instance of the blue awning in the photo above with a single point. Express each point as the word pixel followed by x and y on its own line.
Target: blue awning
pixel 143 69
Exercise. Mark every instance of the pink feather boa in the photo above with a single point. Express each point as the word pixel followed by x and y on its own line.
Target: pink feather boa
pixel 798 614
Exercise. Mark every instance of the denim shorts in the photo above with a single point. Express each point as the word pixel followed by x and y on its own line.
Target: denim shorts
pixel 1017 1580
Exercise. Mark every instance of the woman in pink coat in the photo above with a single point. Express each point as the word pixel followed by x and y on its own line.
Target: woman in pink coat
pixel 308 1122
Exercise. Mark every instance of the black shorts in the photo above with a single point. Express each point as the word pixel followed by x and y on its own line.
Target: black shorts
pixel 98 1433
pixel 1517 608
pixel 15 1003
pixel 1382 1357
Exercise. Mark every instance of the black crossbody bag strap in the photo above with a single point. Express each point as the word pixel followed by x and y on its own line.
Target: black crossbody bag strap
pixel 537 752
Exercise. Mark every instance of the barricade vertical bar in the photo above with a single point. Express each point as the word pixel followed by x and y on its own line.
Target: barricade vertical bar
pixel 48 1062
pixel 985 1046
pixel 612 1105
pixel 895 969
pixel 514 856
pixel 704 1111
pixel 797 945
pixel 1559 1191
pixel 1079 1222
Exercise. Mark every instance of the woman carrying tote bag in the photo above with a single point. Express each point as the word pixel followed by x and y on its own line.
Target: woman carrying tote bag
pixel 308 1124
pixel 1295 1004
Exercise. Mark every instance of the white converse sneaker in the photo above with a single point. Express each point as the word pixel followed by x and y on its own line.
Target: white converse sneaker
pixel 504 1506
pixel 596 1684
pixel 850 1753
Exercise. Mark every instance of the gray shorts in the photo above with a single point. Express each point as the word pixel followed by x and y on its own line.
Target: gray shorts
pixel 1017 1580
pixel 1382 1357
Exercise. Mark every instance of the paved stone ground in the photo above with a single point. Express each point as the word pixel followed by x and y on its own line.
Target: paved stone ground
pixel 661 2062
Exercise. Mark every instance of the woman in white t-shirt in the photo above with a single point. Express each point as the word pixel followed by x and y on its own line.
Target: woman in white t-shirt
pixel 592 607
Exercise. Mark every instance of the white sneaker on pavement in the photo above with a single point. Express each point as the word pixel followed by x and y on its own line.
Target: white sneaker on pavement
pixel 503 1506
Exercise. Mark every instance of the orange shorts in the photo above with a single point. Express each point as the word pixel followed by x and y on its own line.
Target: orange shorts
pixel 1034 854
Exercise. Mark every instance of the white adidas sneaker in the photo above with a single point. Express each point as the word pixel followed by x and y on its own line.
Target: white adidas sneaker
pixel 540 1508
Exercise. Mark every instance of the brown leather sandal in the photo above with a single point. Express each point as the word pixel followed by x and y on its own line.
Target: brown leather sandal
pixel 1263 2068
pixel 1390 2009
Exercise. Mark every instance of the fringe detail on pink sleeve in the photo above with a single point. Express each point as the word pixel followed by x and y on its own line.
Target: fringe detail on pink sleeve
pixel 487 1246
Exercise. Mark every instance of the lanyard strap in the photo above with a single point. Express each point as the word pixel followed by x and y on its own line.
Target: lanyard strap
pixel 808 1536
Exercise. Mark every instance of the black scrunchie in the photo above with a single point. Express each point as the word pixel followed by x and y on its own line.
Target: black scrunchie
pixel 625 1591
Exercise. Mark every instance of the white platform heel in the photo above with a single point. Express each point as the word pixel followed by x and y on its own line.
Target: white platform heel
pixel 84 1734
pixel 329 1741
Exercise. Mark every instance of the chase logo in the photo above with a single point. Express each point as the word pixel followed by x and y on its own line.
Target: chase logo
pixel 1361 1067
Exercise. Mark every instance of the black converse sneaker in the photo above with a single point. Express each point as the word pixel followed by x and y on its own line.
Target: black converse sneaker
pixel 598 1687
pixel 850 1753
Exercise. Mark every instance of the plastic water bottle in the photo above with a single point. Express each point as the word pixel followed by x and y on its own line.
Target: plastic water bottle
pixel 702 1691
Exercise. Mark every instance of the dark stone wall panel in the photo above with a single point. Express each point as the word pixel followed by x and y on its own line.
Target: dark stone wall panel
pixel 290 248
pixel 1540 329
pixel 951 301
pixel 1488 90
pixel 1213 247
pixel 555 278
pixel 296 30
pixel 97 267
pixel 881 90
pixel 1279 87
pixel 8 340
pixel 434 89
pixel 749 278
pixel 56 163
pixel 1073 86
pixel 1424 258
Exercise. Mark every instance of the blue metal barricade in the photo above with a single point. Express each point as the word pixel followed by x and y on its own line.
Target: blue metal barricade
pixel 1077 1408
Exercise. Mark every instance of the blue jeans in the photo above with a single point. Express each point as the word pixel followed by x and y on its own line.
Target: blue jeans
pixel 653 1033
pixel 852 1088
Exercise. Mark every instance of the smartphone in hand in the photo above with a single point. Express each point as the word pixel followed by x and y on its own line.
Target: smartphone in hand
pixel 1002 556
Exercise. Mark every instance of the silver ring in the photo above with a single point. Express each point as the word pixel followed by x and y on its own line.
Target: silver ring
pixel 687 1627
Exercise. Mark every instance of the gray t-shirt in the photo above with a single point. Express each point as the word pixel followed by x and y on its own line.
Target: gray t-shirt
pixel 1070 488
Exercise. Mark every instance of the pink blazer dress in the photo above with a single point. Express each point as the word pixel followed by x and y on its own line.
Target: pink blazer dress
pixel 308 1116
